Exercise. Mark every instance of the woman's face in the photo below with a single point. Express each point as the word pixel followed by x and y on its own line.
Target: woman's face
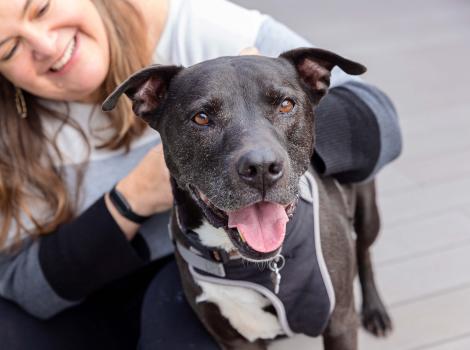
pixel 54 49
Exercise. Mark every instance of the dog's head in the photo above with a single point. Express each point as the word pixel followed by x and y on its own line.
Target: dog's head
pixel 237 133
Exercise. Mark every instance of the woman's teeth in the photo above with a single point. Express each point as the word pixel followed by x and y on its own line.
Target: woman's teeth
pixel 65 58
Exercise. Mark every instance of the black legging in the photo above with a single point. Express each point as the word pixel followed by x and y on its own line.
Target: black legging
pixel 110 319
pixel 179 328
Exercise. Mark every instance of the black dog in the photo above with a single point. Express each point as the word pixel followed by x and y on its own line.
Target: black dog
pixel 238 138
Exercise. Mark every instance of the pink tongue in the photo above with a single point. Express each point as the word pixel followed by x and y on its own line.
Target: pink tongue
pixel 262 225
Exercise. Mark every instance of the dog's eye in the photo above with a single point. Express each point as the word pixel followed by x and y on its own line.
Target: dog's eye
pixel 286 106
pixel 201 119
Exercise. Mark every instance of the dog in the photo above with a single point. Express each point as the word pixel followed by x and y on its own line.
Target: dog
pixel 238 136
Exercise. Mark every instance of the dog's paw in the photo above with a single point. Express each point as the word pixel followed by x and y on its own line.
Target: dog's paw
pixel 375 319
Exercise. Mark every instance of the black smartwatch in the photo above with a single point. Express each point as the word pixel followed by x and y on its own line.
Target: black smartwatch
pixel 124 208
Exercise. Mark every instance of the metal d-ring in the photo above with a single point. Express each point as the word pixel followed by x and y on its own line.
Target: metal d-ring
pixel 277 263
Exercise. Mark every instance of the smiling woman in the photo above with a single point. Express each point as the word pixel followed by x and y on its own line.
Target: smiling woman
pixel 69 252
pixel 55 49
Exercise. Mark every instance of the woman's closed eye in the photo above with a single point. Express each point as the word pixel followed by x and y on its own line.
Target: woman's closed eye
pixel 39 12
pixel 11 51
pixel 42 9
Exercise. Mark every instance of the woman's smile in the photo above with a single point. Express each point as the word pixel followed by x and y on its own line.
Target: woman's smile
pixel 64 62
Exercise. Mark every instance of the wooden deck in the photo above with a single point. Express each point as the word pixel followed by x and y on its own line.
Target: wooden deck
pixel 419 53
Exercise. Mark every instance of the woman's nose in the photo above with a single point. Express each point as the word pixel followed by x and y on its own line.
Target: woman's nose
pixel 43 44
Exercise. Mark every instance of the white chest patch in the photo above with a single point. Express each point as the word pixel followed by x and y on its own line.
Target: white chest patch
pixel 243 308
pixel 214 237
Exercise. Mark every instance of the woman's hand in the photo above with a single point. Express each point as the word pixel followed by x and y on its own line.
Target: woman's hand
pixel 146 188
pixel 249 51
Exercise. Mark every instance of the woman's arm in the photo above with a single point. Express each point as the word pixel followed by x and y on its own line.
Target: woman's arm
pixel 51 273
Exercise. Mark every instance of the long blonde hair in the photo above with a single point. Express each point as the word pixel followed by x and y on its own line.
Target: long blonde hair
pixel 27 167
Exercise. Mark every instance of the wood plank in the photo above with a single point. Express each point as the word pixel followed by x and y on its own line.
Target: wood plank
pixel 422 237
pixel 466 210
pixel 439 168
pixel 462 342
pixel 417 325
pixel 411 279
pixel 426 321
pixel 392 179
pixel 421 202
pixel 426 139
pixel 299 342
pixel 432 119
pixel 416 80
pixel 349 24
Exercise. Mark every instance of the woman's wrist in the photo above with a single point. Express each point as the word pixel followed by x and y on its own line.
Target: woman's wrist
pixel 128 227
pixel 124 208
pixel 129 197
pixel 140 197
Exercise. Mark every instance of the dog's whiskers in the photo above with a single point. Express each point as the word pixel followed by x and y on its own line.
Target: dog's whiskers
pixel 261 265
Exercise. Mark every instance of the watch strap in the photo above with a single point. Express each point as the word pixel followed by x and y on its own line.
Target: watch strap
pixel 124 208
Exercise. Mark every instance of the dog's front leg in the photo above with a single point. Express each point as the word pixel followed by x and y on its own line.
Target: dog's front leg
pixel 343 341
pixel 341 333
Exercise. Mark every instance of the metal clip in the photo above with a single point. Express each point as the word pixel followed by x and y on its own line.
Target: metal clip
pixel 276 265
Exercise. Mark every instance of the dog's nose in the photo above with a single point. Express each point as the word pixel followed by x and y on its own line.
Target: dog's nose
pixel 260 168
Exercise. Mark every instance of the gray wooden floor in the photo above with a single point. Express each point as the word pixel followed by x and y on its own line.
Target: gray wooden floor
pixel 419 53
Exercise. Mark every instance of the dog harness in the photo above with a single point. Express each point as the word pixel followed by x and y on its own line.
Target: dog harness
pixel 304 297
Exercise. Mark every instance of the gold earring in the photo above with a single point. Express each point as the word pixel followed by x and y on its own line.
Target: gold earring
pixel 20 103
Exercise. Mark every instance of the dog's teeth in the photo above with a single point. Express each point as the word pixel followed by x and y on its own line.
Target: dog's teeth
pixel 241 236
pixel 203 197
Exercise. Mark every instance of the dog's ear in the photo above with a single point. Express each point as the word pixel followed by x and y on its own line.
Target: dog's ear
pixel 146 88
pixel 314 67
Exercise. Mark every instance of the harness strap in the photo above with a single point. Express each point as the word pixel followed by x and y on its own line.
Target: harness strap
pixel 189 239
pixel 200 262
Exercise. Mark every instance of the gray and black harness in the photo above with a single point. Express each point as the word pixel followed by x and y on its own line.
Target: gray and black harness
pixel 304 298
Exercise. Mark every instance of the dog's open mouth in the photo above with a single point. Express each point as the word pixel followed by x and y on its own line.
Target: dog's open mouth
pixel 257 230
pixel 261 225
